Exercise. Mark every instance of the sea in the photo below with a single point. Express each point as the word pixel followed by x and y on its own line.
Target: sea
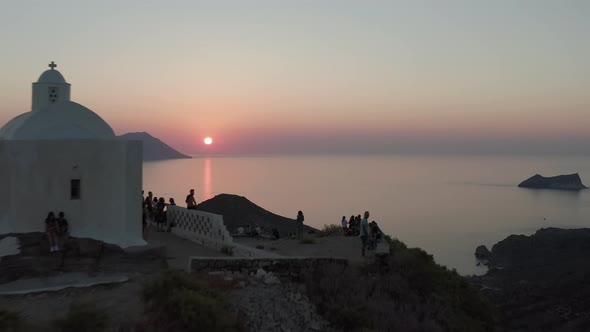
pixel 446 205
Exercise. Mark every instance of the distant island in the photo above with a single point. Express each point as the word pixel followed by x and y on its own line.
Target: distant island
pixel 562 182
pixel 153 148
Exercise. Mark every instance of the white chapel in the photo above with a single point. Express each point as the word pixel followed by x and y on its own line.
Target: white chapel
pixel 61 156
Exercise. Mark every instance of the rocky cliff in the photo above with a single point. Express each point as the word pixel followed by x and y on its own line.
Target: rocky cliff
pixel 563 182
pixel 153 148
pixel 540 282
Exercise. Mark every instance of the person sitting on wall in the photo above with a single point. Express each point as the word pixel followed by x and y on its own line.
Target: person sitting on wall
pixel 257 231
pixel 63 230
pixel 190 201
pixel 275 234
pixel 51 231
pixel 240 230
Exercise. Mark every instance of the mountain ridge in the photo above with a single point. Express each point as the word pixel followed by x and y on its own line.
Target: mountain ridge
pixel 153 147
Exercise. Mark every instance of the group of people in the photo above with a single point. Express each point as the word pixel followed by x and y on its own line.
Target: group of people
pixel 370 233
pixel 352 227
pixel 57 230
pixel 155 209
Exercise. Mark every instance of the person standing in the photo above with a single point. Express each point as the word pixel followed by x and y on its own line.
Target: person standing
pixel 299 225
pixel 364 232
pixel 344 228
pixel 191 203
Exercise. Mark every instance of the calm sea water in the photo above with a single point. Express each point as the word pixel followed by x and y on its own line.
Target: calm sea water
pixel 445 205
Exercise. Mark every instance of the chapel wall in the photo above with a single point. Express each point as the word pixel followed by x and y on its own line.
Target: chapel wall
pixel 36 178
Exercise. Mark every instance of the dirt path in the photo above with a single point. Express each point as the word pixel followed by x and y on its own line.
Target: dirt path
pixel 178 250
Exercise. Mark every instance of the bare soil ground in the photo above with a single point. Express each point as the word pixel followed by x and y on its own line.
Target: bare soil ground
pixel 348 247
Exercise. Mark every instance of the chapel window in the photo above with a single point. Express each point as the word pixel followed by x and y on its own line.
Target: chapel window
pixel 75 189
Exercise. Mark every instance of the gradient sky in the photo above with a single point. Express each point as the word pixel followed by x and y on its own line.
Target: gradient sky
pixel 315 76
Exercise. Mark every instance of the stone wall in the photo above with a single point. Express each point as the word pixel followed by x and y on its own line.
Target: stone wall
pixel 290 267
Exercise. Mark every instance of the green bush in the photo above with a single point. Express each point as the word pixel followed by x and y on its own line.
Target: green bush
pixel 10 321
pixel 82 317
pixel 177 302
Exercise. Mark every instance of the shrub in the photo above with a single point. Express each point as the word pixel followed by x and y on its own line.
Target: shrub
pixel 82 317
pixel 331 230
pixel 407 291
pixel 10 321
pixel 394 244
pixel 177 302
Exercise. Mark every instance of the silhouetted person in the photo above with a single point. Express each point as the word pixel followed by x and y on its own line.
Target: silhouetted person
pixel 299 225
pixel 351 225
pixel 51 230
pixel 191 203
pixel 375 235
pixel 170 223
pixel 364 232
pixel 63 229
pixel 148 207
pixel 160 216
pixel 344 228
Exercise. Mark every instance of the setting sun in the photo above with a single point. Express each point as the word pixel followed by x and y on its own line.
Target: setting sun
pixel 208 140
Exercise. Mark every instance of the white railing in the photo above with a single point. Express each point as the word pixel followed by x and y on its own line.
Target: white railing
pixel 201 227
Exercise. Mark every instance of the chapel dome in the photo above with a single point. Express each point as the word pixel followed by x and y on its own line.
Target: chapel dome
pixel 51 76
pixel 63 120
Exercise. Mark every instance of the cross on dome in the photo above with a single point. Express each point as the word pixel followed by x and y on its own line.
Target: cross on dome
pixel 52 65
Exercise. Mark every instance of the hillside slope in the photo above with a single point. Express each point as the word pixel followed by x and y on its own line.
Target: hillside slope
pixel 239 211
pixel 153 148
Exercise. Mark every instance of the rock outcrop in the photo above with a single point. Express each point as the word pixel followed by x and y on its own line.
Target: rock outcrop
pixel 563 182
pixel 239 211
pixel 482 252
pixel 153 148
pixel 540 282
